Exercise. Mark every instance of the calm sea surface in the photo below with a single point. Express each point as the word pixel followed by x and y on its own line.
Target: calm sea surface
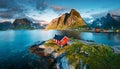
pixel 14 44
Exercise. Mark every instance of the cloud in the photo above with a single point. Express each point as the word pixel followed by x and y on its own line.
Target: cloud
pixel 89 11
pixel 5 15
pixel 19 8
pixel 11 13
pixel 41 5
pixel 89 20
pixel 6 3
pixel 115 12
pixel 43 22
pixel 103 14
pixel 58 8
pixel 98 15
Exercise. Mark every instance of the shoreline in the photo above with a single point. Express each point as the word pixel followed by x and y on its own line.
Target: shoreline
pixel 116 50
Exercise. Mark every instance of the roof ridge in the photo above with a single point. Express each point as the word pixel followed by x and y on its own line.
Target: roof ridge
pixel 58 37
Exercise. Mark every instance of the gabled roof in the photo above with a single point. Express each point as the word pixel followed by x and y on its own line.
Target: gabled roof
pixel 58 37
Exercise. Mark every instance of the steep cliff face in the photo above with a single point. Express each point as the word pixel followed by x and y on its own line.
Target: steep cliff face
pixel 67 21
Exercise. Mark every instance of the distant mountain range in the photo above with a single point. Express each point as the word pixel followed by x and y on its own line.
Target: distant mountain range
pixel 71 20
pixel 107 22
pixel 22 23
pixel 5 25
pixel 67 21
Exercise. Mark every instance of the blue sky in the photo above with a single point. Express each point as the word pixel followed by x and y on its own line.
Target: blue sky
pixel 46 10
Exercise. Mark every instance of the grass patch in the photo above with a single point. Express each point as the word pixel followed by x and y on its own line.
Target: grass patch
pixel 95 55
pixel 57 48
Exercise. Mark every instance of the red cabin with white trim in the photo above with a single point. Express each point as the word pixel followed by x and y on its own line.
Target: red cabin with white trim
pixel 61 40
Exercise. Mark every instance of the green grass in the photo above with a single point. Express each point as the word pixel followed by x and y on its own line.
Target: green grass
pixel 100 57
pixel 56 47
pixel 97 57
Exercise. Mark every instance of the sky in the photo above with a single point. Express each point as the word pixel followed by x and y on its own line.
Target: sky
pixel 46 10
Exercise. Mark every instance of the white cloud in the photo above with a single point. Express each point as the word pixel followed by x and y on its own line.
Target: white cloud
pixel 91 21
pixel 47 15
pixel 115 12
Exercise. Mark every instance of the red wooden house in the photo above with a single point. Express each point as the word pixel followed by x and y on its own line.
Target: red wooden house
pixel 61 40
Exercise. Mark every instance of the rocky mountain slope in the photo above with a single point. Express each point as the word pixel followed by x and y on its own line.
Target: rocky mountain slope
pixel 22 23
pixel 67 21
pixel 107 22
pixel 5 25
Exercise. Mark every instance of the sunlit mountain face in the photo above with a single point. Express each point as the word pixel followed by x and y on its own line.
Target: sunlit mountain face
pixel 46 10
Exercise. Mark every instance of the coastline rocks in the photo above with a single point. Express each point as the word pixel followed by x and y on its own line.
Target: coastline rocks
pixel 48 50
pixel 49 61
pixel 51 57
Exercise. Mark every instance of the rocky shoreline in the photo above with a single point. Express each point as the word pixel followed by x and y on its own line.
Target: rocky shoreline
pixel 52 58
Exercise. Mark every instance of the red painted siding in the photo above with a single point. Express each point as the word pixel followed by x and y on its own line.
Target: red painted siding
pixel 62 42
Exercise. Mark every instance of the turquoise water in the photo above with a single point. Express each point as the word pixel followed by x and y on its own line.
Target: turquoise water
pixel 14 48
pixel 14 44
pixel 15 41
pixel 112 39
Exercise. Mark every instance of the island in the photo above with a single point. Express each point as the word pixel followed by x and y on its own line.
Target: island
pixel 79 53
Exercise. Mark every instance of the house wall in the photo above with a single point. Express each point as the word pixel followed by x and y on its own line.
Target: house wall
pixel 57 41
pixel 63 42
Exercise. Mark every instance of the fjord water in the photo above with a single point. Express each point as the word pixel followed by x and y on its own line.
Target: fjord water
pixel 15 44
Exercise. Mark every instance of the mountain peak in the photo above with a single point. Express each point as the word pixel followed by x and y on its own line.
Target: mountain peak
pixel 74 12
pixel 67 21
pixel 22 22
pixel 108 15
pixel 110 20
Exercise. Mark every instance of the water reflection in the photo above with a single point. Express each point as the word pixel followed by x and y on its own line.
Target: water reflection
pixel 117 38
pixel 87 36
pixel 111 39
pixel 24 38
pixel 71 34
pixel 7 36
